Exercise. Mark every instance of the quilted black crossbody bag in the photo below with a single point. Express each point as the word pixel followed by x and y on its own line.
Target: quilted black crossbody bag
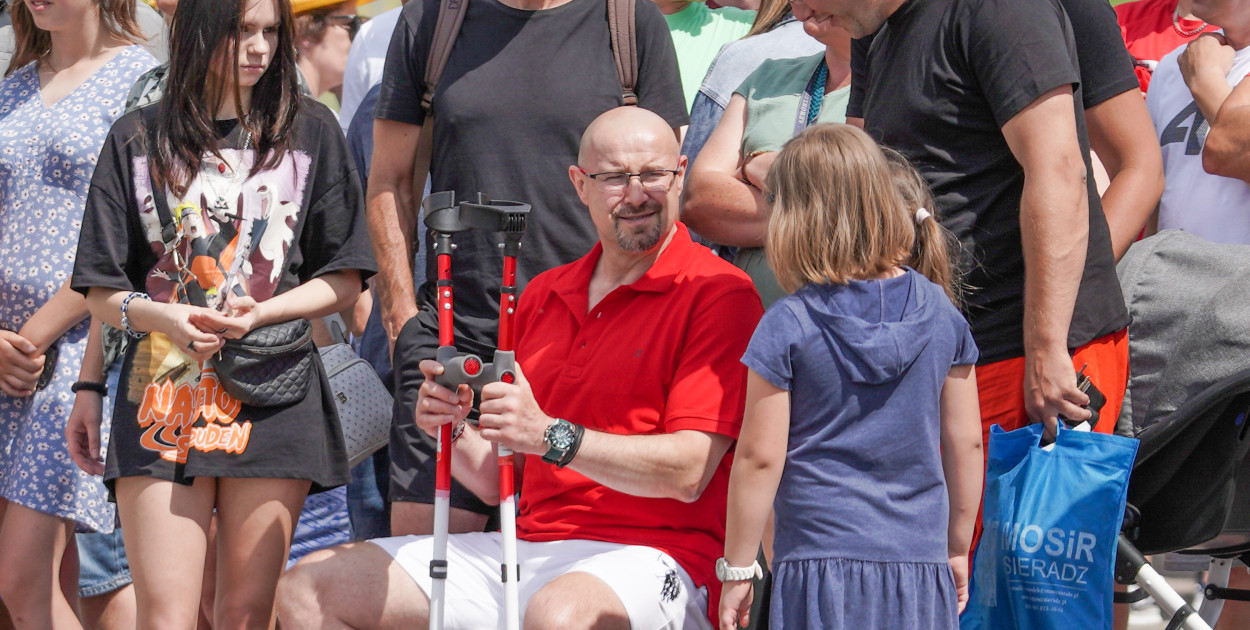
pixel 270 366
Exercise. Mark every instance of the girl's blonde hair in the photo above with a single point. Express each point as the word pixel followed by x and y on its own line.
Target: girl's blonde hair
pixel 838 214
pixel 935 247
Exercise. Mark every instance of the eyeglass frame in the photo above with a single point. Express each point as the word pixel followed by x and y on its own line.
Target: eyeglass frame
pixel 352 22
pixel 629 177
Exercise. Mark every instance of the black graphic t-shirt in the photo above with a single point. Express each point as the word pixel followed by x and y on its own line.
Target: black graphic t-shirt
pixel 257 235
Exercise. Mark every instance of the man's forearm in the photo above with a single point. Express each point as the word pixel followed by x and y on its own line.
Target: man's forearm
pixel 392 247
pixel 1054 231
pixel 670 466
pixel 1227 148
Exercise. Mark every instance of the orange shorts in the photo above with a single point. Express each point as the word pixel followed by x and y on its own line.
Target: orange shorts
pixel 1000 388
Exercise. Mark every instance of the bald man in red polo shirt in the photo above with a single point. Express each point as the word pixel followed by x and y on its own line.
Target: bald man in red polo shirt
pixel 629 395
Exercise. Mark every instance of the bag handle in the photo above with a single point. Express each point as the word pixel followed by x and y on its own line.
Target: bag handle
pixel 450 17
pixel 337 327
pixel 624 47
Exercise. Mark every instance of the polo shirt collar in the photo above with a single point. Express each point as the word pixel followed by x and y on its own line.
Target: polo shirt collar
pixel 574 287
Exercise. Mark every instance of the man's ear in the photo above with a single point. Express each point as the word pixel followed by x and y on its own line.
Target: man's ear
pixel 579 182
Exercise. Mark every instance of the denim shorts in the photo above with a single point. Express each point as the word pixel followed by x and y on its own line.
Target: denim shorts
pixel 103 567
pixel 323 523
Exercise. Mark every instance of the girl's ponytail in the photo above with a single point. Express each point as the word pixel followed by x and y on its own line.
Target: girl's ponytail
pixel 932 252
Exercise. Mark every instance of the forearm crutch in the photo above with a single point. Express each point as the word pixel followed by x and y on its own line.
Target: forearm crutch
pixel 445 218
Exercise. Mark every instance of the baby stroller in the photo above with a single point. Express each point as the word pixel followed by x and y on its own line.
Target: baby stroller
pixel 1187 403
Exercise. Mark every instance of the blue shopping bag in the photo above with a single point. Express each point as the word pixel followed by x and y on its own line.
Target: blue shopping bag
pixel 1051 522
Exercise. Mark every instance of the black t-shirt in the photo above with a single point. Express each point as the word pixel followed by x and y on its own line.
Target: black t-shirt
pixel 315 190
pixel 940 80
pixel 259 235
pixel 1105 63
pixel 518 90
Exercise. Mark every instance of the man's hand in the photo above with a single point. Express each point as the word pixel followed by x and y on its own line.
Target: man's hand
pixel 1050 389
pixel 20 366
pixel 1207 57
pixel 437 405
pixel 512 418
pixel 735 604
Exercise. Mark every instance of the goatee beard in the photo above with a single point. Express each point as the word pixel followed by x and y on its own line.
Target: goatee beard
pixel 634 241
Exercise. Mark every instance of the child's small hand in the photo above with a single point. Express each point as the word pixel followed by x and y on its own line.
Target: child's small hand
pixel 959 566
pixel 735 604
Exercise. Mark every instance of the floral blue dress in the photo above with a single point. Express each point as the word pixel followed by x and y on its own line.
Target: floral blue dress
pixel 47 156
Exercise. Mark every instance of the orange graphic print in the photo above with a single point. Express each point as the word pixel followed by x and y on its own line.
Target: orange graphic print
pixel 169 412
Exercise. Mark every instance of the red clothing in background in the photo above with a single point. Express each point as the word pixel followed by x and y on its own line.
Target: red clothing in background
pixel 1149 33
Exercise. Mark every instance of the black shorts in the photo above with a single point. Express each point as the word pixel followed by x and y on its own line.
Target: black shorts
pixel 413 450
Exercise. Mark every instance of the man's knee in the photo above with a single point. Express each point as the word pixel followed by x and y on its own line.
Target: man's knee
pixel 576 601
pixel 301 589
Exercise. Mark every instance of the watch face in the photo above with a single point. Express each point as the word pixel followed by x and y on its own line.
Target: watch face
pixel 560 436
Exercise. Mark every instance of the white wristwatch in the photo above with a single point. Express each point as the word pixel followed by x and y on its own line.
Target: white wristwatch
pixel 726 573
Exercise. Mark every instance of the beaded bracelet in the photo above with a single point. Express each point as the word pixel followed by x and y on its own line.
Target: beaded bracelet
pixel 126 319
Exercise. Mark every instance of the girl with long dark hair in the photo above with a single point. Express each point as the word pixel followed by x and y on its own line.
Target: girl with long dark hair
pixel 230 207
pixel 73 63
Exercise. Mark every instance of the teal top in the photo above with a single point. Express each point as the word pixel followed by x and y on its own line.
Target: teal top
pixel 774 92
pixel 698 34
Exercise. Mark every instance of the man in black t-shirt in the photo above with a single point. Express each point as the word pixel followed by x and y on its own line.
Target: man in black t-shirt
pixel 525 77
pixel 984 97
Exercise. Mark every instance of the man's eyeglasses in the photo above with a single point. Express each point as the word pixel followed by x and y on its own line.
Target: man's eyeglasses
pixel 655 181
pixel 350 22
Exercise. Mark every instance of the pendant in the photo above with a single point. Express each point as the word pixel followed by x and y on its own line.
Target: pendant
pixel 221 168
pixel 220 204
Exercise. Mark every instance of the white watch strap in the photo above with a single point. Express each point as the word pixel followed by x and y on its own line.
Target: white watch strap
pixel 727 573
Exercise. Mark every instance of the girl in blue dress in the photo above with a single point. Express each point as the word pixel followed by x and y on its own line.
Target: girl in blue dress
pixel 73 64
pixel 862 427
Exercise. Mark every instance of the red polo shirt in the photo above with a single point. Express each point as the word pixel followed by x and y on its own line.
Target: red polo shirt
pixel 656 356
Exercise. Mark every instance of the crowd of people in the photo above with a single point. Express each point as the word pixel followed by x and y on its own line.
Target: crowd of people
pixel 787 263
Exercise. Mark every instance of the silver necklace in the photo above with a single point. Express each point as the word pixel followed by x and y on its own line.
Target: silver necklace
pixel 224 171
pixel 1176 23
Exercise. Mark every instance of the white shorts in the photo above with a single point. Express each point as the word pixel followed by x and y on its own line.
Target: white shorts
pixel 654 589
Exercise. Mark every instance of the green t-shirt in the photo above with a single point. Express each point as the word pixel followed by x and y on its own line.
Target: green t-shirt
pixel 773 94
pixel 698 34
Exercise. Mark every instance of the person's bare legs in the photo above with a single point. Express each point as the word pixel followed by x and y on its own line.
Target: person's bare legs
pixel 576 601
pixel 208 586
pixel 357 585
pixel 417 519
pixel 255 521
pixel 165 526
pixel 114 610
pixel 32 546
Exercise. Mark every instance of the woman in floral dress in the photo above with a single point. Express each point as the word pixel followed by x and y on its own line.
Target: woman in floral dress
pixel 74 63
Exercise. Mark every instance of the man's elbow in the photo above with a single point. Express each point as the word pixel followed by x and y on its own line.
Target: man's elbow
pixel 690 490
pixel 1221 156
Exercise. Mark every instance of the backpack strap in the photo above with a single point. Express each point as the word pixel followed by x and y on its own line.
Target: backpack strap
pixel 624 47
pixel 450 17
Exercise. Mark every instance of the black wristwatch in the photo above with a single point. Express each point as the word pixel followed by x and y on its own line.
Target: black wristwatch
pixel 563 439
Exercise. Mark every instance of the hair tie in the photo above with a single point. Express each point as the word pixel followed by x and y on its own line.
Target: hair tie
pixel 922 214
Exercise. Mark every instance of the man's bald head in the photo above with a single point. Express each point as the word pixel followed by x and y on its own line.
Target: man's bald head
pixel 626 126
pixel 636 146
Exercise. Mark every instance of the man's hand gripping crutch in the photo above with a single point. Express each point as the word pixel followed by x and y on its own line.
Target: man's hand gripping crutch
pixel 444 217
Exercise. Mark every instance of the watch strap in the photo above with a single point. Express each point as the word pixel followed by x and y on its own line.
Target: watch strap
pixel 727 573
pixel 91 386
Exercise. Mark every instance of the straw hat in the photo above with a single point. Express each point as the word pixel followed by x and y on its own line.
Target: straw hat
pixel 304 6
